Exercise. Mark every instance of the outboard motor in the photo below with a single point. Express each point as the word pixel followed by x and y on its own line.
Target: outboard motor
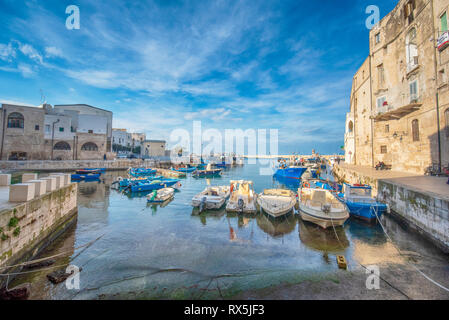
pixel 202 204
pixel 326 208
pixel 240 204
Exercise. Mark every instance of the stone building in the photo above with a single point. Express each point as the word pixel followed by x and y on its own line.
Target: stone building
pixel 152 148
pixel 122 138
pixel 22 132
pixel 398 98
pixel 45 133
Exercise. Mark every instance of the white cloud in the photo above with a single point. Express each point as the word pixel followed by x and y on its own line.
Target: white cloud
pixel 32 53
pixel 51 52
pixel 7 52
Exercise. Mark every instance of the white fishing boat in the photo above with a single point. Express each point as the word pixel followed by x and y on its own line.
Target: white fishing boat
pixel 213 197
pixel 276 202
pixel 321 207
pixel 161 195
pixel 243 197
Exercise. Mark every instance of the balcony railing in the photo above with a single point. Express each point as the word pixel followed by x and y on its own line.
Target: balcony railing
pixel 412 64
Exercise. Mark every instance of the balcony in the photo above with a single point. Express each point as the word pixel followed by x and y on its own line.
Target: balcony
pixel 412 64
pixel 443 41
pixel 395 114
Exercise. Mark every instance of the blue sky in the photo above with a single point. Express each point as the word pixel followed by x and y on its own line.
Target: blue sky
pixel 159 65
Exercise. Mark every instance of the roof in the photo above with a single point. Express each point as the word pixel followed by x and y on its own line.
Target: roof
pixel 80 104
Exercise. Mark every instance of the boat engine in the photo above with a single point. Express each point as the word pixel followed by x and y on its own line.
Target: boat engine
pixel 240 204
pixel 326 208
pixel 202 204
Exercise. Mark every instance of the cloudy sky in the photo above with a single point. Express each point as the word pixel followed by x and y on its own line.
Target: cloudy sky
pixel 160 65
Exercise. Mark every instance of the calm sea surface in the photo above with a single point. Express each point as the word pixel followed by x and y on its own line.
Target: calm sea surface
pixel 153 251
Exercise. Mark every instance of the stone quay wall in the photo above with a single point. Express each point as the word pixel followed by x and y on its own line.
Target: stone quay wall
pixel 28 227
pixel 427 214
pixel 70 165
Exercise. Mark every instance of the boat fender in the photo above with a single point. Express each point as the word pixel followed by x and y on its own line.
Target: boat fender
pixel 306 185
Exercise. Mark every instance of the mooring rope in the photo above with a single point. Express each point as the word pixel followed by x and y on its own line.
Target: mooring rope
pixel 415 267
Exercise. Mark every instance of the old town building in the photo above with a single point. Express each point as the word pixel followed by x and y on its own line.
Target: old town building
pixel 399 98
pixel 51 133
pixel 152 148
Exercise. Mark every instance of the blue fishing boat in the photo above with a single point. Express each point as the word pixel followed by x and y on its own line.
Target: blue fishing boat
pixel 360 202
pixel 88 171
pixel 186 170
pixel 126 182
pixel 293 172
pixel 141 172
pixel 96 169
pixel 154 185
pixel 86 177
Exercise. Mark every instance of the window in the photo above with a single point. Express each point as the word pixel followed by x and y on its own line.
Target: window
pixel 15 120
pixel 350 127
pixel 413 91
pixel 62 145
pixel 61 129
pixel 383 149
pixel 411 50
pixel 387 128
pixel 381 75
pixel 36 127
pixel 441 77
pixel 443 20
pixel 72 129
pixel 446 120
pixel 377 38
pixel 408 11
pixel 381 101
pixel 89 146
pixel 90 131
pixel 415 130
pixel 47 128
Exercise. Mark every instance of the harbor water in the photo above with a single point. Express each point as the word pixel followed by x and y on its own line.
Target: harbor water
pixel 171 251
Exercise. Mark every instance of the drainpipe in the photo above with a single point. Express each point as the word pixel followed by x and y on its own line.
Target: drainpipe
pixel 3 132
pixel 371 106
pixel 53 137
pixel 439 133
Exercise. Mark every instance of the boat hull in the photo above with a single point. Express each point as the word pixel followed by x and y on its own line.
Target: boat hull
pixel 153 186
pixel 366 211
pixel 314 216
pixel 291 172
pixel 210 204
pixel 80 177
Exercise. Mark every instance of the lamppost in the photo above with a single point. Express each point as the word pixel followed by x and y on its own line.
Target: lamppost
pixel 53 137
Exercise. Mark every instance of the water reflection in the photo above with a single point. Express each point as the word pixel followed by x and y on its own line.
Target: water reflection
pixel 208 214
pixel 276 227
pixel 284 182
pixel 323 240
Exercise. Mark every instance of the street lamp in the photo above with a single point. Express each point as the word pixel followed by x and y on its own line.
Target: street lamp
pixel 53 137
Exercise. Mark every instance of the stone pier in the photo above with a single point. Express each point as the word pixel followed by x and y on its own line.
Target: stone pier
pixel 30 219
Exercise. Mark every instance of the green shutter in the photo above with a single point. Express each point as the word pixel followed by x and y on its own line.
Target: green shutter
pixel 443 22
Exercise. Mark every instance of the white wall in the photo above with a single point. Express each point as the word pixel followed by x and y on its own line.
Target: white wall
pixel 98 124
pixel 65 122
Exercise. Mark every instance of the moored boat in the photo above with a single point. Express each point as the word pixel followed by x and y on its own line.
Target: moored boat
pixel 293 172
pixel 321 207
pixel 212 197
pixel 154 185
pixel 358 198
pixel 87 176
pixel 141 172
pixel 206 172
pixel 161 195
pixel 276 202
pixel 243 198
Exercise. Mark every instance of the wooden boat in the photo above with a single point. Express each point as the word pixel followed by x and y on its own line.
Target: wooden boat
pixel 207 172
pixel 161 195
pixel 186 170
pixel 87 176
pixel 124 182
pixel 243 197
pixel 276 202
pixel 321 207
pixel 154 185
pixel 361 203
pixel 88 171
pixel 141 172
pixel 293 172
pixel 211 197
